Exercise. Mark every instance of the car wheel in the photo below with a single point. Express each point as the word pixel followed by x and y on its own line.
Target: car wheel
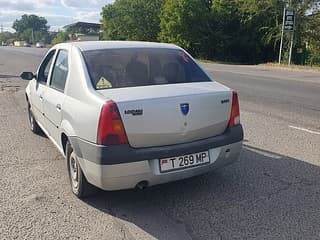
pixel 33 123
pixel 79 184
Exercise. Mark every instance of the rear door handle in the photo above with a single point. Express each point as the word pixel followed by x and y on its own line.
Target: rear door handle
pixel 41 98
pixel 58 106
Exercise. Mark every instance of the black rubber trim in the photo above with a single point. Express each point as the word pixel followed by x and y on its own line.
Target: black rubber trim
pixel 109 155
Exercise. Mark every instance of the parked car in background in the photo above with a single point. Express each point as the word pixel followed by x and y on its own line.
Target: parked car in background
pixel 39 44
pixel 27 44
pixel 132 114
pixel 4 44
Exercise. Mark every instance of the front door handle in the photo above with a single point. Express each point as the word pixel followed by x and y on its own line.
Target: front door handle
pixel 41 98
pixel 58 106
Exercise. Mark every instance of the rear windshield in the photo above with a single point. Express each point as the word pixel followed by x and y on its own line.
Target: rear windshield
pixel 117 68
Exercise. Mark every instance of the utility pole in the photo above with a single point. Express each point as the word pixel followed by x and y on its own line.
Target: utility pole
pixel 288 25
pixel 282 32
pixel 32 36
pixel 292 34
pixel 291 46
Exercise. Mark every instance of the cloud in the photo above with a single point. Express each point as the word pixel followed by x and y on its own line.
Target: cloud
pixel 85 3
pixel 58 21
pixel 25 4
pixel 22 5
pixel 93 16
pixel 55 21
pixel 7 17
pixel 58 12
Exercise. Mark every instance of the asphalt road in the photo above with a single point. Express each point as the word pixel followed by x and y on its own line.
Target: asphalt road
pixel 271 193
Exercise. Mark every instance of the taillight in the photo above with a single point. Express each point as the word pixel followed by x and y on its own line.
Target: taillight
pixel 111 130
pixel 235 111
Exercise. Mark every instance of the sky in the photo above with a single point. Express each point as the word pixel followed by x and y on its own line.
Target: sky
pixel 57 12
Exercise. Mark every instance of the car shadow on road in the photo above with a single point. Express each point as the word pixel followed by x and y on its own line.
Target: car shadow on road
pixel 264 195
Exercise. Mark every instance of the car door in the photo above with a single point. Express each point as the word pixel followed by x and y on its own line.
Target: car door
pixel 39 86
pixel 54 96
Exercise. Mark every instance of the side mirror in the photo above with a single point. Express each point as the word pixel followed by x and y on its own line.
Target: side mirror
pixel 27 76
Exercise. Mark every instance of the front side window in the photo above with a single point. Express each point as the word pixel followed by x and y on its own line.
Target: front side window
pixel 45 67
pixel 60 71
pixel 130 67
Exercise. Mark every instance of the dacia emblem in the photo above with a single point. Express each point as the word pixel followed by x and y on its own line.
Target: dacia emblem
pixel 184 107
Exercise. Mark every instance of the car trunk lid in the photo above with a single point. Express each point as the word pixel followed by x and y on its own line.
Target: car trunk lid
pixel 172 114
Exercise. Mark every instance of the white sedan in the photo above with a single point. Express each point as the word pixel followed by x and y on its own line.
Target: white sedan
pixel 132 114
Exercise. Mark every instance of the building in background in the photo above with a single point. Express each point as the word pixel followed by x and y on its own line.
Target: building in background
pixel 18 43
pixel 83 31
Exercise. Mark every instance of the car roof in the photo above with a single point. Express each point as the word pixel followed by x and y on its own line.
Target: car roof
pixel 96 45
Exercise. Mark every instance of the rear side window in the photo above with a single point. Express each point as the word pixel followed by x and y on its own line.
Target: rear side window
pixel 60 71
pixel 130 67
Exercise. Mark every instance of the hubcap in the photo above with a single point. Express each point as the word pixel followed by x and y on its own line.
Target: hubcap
pixel 74 171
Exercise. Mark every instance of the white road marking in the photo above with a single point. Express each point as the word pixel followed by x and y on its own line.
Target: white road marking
pixel 305 130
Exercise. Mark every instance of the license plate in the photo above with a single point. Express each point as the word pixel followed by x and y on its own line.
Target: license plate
pixel 185 161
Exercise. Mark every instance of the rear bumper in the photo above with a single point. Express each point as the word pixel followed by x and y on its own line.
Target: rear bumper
pixel 123 167
pixel 109 155
pixel 128 175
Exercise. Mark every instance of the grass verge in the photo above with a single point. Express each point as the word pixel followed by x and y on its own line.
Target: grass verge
pixel 291 67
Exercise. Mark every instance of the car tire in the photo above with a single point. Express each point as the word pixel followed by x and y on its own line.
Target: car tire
pixel 33 123
pixel 79 184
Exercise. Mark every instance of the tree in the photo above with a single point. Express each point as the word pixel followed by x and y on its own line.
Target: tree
pixel 30 22
pixel 6 37
pixel 60 38
pixel 245 31
pixel 226 31
pixel 132 20
pixel 306 36
pixel 311 40
pixel 260 24
pixel 185 23
pixel 31 28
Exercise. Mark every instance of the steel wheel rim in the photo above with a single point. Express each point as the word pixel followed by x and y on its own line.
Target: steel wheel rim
pixel 74 171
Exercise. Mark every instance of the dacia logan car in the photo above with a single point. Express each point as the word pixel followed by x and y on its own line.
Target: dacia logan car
pixel 132 114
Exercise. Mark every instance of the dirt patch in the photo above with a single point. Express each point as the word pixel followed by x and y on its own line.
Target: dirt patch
pixel 297 68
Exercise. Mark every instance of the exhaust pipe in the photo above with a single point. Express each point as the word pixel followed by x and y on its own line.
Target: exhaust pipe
pixel 142 185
